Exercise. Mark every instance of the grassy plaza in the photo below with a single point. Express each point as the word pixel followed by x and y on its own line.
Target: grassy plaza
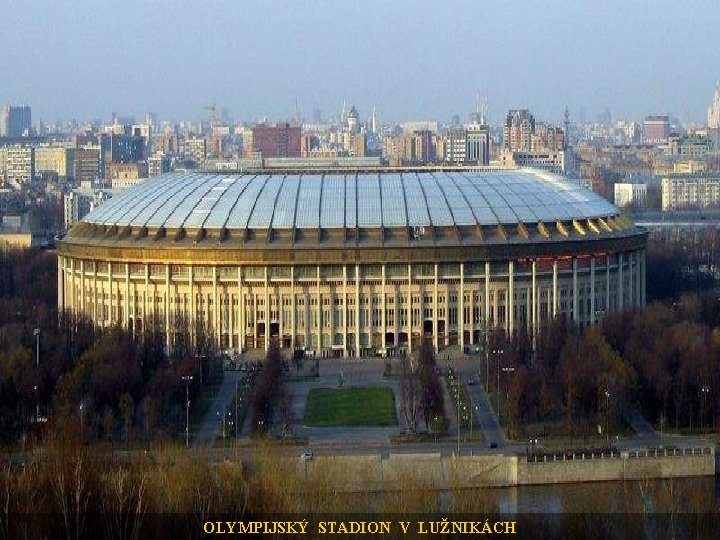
pixel 353 406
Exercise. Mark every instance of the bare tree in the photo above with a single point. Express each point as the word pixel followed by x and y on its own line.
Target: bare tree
pixel 410 393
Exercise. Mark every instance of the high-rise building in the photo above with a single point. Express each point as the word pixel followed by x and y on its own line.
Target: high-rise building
pixel 455 146
pixel 196 150
pixel 280 140
pixel 15 121
pixel 20 166
pixel 694 191
pixel 87 164
pixel 477 144
pixel 630 193
pixel 656 129
pixel 54 159
pixel 518 129
pixel 714 110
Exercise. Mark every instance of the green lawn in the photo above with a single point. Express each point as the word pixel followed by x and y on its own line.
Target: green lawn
pixel 354 406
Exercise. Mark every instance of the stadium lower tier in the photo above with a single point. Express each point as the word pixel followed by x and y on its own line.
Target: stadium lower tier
pixel 350 309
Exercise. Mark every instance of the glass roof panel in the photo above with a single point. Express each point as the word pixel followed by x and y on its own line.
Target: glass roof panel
pixel 308 202
pixel 186 207
pixel 393 202
pixel 156 213
pixel 416 208
pixel 240 213
pixel 284 215
pixel 262 214
pixel 219 215
pixel 350 201
pixel 438 208
pixel 332 213
pixel 368 190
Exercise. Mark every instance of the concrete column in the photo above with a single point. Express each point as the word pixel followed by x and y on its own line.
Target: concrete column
pixel 292 307
pixel 461 301
pixel 319 312
pixel 127 296
pixel 96 315
pixel 254 318
pixel 576 306
pixel 216 308
pixel 111 318
pixel 643 272
pixel 528 310
pixel 357 310
pixel 620 281
pixel 593 318
pixel 471 311
pixel 534 303
pixel 61 284
pixel 167 308
pixel 435 310
pixel 631 276
pixel 555 289
pixel 230 314
pixel 145 295
pixel 383 308
pixel 192 317
pixel 510 304
pixel 266 292
pixel 487 298
pixel 241 312
pixel 607 282
pixel 410 308
pixel 345 312
pixel 281 313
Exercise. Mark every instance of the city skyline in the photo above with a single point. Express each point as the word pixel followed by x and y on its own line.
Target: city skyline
pixel 258 59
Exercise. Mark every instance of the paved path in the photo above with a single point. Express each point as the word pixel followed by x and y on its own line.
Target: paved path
pixel 484 412
pixel 211 424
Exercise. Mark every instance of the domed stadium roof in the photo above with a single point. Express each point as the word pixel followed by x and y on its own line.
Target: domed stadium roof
pixel 279 201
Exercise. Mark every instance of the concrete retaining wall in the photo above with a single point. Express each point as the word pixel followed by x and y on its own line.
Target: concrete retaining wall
pixel 433 471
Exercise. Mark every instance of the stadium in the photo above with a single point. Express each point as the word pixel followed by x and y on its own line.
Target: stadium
pixel 352 263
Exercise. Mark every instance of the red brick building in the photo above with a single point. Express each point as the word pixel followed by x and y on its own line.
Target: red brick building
pixel 280 140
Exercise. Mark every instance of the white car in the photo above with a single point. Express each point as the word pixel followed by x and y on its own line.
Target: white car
pixel 307 455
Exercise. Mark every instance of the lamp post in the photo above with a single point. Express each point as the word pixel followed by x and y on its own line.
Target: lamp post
pixel 82 411
pixel 505 369
pixel 187 379
pixel 498 353
pixel 607 416
pixel 36 333
pixel 237 415
pixel 705 390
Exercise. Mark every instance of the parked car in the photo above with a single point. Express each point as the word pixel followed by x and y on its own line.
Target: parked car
pixel 307 455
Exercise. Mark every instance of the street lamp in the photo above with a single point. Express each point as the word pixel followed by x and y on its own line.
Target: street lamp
pixel 82 410
pixel 505 369
pixel 705 390
pixel 36 333
pixel 187 379
pixel 607 415
pixel 497 353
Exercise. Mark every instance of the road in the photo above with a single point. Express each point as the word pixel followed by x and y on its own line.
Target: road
pixel 211 425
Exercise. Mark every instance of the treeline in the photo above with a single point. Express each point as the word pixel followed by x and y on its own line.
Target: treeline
pixel 269 391
pixel 679 261
pixel 64 377
pixel 661 359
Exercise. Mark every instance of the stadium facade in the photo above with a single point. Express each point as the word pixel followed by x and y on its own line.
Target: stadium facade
pixel 351 262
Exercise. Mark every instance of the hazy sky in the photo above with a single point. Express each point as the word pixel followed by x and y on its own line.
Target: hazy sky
pixel 412 59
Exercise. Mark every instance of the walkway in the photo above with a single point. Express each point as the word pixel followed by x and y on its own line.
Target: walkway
pixel 485 413
pixel 210 426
